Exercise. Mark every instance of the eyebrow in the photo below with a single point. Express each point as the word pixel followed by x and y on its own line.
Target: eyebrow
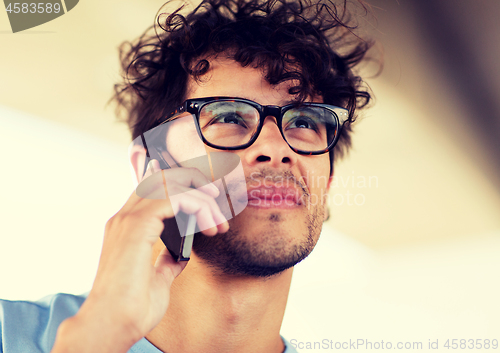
pixel 281 105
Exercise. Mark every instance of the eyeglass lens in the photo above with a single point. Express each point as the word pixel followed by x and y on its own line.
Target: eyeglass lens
pixel 231 124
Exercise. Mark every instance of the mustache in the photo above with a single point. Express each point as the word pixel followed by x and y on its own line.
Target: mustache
pixel 282 178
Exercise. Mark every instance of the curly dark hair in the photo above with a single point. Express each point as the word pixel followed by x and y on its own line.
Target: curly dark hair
pixel 310 42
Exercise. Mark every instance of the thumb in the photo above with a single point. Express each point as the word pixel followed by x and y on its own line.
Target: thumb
pixel 152 167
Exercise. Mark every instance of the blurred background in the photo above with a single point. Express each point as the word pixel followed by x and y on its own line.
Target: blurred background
pixel 411 252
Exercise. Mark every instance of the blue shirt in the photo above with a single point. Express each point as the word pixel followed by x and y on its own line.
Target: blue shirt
pixel 32 326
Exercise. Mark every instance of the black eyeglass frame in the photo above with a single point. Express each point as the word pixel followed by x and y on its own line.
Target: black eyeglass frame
pixel 194 106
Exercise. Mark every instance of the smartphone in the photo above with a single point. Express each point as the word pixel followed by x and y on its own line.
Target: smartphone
pixel 178 245
pixel 179 231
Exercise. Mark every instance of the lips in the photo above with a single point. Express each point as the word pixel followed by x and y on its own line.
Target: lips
pixel 273 197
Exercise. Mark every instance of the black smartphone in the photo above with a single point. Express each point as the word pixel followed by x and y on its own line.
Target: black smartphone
pixel 179 232
pixel 178 245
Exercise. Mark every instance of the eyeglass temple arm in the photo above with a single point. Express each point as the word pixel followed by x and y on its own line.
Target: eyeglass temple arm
pixel 153 153
pixel 183 108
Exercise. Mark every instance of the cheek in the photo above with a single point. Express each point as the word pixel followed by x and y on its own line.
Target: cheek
pixel 182 140
pixel 316 176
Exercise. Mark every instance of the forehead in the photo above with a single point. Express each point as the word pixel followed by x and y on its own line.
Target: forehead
pixel 227 77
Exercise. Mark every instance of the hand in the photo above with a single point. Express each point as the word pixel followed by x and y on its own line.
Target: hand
pixel 130 295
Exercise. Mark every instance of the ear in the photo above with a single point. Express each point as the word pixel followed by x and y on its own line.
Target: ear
pixel 329 183
pixel 137 155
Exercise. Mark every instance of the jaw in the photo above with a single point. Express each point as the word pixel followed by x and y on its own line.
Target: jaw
pixel 260 244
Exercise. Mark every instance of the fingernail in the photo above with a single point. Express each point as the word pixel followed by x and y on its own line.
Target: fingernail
pixel 150 166
pixel 214 187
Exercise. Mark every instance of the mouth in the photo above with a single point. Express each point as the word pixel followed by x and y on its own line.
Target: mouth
pixel 274 197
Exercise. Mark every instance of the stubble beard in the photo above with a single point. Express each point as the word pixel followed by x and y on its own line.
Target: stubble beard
pixel 272 252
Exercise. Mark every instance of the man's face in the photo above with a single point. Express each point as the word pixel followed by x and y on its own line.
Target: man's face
pixel 276 230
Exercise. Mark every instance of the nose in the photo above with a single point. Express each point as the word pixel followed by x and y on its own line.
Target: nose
pixel 270 149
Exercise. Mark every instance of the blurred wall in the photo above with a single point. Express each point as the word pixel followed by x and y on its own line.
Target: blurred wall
pixel 411 250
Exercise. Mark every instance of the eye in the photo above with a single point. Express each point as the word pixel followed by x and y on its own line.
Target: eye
pixel 228 118
pixel 302 122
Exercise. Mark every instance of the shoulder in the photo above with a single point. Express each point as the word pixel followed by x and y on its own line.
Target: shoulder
pixel 32 326
pixel 288 347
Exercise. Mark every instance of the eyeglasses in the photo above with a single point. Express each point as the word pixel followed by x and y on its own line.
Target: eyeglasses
pixel 235 123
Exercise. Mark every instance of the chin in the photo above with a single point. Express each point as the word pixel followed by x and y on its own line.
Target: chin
pixel 264 251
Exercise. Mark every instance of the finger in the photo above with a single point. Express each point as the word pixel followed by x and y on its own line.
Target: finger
pixel 158 186
pixel 208 214
pixel 223 227
pixel 197 196
pixel 209 189
pixel 152 185
pixel 200 182
pixel 201 209
pixel 152 167
pixel 155 165
pixel 190 177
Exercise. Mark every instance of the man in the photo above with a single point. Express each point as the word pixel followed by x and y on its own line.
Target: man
pixel 231 295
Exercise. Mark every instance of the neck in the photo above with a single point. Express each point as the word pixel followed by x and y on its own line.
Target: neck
pixel 209 312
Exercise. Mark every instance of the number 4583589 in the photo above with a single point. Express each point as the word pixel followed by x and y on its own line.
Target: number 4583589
pixel 33 8
pixel 471 344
